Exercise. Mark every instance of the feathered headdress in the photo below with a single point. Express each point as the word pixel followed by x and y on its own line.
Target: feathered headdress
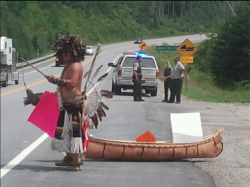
pixel 70 44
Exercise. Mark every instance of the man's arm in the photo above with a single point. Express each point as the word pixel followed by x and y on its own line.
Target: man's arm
pixel 181 71
pixel 70 78
pixel 136 65
pixel 136 75
pixel 182 68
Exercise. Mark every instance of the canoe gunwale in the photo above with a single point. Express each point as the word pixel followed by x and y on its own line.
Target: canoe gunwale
pixel 153 144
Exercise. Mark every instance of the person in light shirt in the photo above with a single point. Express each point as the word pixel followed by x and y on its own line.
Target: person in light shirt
pixel 177 79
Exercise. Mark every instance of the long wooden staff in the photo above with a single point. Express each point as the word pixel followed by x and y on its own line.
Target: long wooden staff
pixel 33 66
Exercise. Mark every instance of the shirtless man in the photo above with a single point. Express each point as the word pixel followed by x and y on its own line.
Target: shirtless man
pixel 72 77
pixel 68 136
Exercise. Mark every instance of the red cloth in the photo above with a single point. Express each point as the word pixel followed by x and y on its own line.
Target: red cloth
pixel 46 113
pixel 86 137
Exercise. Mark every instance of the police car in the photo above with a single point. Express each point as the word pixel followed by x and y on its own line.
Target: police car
pixel 123 72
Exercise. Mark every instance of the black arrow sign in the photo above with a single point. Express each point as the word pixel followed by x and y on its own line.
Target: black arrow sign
pixel 143 46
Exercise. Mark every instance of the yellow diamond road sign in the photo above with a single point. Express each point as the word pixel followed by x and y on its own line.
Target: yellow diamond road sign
pixel 187 48
pixel 143 46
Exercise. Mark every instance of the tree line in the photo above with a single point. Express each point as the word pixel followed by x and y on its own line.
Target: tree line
pixel 35 25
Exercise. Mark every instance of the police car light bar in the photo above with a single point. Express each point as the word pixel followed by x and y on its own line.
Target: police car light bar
pixel 139 53
pixel 129 53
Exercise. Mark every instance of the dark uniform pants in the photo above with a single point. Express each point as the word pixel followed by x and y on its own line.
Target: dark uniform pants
pixel 137 89
pixel 175 89
pixel 166 88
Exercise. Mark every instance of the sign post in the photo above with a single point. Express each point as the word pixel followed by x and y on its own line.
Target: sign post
pixel 186 75
pixel 187 49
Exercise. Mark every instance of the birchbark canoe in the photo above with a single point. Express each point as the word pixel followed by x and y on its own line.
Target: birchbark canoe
pixel 210 147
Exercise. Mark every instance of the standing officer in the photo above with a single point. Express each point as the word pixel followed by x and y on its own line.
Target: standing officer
pixel 167 80
pixel 177 79
pixel 137 76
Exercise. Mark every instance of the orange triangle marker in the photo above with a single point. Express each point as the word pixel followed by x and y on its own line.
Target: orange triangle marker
pixel 146 137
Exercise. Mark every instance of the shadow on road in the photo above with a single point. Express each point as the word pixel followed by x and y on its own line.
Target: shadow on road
pixel 39 166
pixel 179 161
pixel 130 94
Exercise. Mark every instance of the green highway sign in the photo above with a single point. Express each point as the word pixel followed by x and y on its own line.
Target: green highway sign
pixel 166 48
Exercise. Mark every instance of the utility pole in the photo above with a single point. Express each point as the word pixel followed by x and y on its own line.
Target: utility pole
pixel 186 74
pixel 231 8
pixel 173 9
pixel 224 11
pixel 37 53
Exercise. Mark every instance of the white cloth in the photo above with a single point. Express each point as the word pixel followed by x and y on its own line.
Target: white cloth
pixel 68 144
pixel 175 71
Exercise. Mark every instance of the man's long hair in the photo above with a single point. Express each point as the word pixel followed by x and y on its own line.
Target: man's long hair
pixel 70 44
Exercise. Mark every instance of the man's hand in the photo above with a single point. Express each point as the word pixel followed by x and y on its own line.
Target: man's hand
pixel 136 76
pixel 49 77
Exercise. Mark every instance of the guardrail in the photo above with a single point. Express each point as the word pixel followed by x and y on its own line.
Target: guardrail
pixel 19 65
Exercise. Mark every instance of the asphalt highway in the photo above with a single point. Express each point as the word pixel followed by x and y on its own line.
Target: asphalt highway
pixel 26 157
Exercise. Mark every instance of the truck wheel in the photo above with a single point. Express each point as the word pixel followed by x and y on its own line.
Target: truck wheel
pixel 113 88
pixel 147 91
pixel 117 90
pixel 5 82
pixel 16 81
pixel 154 92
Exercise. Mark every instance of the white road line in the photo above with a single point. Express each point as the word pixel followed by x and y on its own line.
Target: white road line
pixel 14 162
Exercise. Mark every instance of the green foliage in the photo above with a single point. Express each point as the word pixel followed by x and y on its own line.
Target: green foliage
pixel 202 58
pixel 230 58
pixel 224 59
pixel 36 24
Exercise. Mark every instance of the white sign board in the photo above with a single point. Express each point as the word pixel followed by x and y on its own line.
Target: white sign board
pixel 186 127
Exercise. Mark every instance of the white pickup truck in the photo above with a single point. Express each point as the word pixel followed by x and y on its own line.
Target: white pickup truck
pixel 123 72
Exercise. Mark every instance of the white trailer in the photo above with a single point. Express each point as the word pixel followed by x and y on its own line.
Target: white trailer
pixel 8 62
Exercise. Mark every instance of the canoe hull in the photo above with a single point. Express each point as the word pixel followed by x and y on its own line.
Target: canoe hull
pixel 154 151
